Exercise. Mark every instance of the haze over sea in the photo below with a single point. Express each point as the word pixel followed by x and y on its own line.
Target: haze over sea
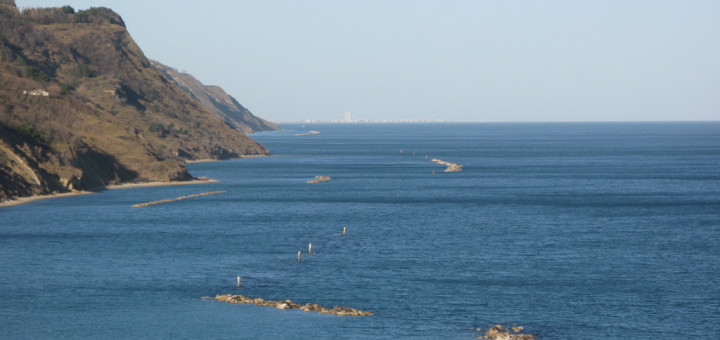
pixel 571 230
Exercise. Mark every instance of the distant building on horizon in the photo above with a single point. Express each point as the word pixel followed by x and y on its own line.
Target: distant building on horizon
pixel 348 116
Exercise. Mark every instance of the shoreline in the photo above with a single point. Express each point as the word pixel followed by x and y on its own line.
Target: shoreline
pixel 27 199
pixel 33 198
pixel 199 180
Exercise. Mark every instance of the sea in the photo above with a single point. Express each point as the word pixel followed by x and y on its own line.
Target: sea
pixel 570 230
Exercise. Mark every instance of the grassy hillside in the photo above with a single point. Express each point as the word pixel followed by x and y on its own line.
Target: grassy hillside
pixel 217 101
pixel 81 107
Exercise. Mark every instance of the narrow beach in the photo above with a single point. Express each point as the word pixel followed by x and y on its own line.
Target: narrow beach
pixel 28 199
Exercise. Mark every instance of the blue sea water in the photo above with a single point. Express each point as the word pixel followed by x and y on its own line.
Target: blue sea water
pixel 571 230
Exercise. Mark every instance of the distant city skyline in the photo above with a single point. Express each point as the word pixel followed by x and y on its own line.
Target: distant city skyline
pixel 462 60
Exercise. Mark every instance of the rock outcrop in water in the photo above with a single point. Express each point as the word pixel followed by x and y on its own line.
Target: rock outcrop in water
pixel 319 179
pixel 498 332
pixel 142 205
pixel 451 167
pixel 287 304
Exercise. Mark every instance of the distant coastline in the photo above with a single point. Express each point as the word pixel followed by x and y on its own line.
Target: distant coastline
pixel 423 121
pixel 362 121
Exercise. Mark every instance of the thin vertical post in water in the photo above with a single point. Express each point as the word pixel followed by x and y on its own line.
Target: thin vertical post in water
pixel 299 255
pixel 239 279
pixel 344 231
pixel 310 248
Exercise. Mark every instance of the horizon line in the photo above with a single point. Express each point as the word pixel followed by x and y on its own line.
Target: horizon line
pixel 375 121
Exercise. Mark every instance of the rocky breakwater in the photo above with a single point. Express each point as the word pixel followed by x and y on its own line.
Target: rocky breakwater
pixel 141 205
pixel 451 167
pixel 319 179
pixel 287 304
pixel 498 332
pixel 308 134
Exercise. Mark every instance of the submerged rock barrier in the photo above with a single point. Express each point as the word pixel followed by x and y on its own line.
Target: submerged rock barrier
pixel 177 199
pixel 287 304
pixel 319 179
pixel 307 134
pixel 498 332
pixel 451 167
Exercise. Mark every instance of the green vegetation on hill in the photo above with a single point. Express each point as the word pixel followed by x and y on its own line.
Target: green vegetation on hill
pixel 81 107
pixel 67 15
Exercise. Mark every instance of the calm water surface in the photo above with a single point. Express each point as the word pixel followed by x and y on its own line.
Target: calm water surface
pixel 574 231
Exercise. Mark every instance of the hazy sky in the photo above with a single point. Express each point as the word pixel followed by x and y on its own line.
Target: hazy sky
pixel 456 60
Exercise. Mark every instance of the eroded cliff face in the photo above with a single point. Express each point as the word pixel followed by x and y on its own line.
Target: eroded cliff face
pixel 217 101
pixel 81 107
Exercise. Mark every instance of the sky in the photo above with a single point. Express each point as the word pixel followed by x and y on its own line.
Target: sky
pixel 440 60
